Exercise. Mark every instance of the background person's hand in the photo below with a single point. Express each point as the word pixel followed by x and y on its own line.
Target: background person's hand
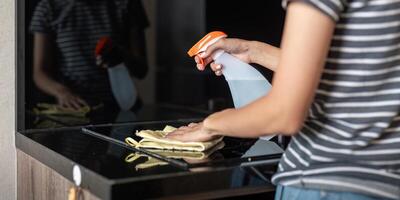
pixel 194 132
pixel 100 62
pixel 68 100
pixel 236 47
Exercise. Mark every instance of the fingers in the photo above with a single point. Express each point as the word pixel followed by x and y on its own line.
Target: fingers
pixel 193 124
pixel 184 128
pixel 71 102
pixel 82 102
pixel 69 105
pixel 179 135
pixel 205 58
pixel 176 135
pixel 181 131
pixel 100 62
pixel 191 133
pixel 66 104
pixel 217 68
pixel 75 104
pixel 202 65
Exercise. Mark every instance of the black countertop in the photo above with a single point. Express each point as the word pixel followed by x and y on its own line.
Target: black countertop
pixel 239 168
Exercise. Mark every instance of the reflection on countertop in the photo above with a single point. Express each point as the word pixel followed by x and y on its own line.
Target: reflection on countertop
pixel 107 115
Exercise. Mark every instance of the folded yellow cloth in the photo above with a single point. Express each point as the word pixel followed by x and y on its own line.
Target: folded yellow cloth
pixel 151 162
pixel 156 140
pixel 45 124
pixel 186 155
pixel 54 109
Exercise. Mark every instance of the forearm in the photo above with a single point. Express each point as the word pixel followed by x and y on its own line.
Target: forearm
pixel 264 54
pixel 263 117
pixel 48 85
pixel 43 63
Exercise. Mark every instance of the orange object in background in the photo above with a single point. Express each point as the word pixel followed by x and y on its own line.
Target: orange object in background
pixel 101 44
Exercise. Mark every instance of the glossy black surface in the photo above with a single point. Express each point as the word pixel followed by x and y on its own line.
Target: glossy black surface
pixel 108 159
pixel 115 116
pixel 226 172
pixel 242 166
pixel 100 156
pixel 233 151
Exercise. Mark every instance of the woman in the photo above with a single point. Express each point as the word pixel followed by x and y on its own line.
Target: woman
pixel 336 90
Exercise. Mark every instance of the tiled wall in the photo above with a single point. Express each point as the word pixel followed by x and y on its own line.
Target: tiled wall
pixel 7 97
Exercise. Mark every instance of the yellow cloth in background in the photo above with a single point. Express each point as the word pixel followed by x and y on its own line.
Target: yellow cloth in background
pixel 54 109
pixel 156 140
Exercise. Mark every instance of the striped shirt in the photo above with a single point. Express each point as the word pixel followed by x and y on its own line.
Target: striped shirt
pixel 76 26
pixel 351 139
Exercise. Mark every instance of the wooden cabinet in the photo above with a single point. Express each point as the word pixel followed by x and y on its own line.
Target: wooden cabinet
pixel 35 181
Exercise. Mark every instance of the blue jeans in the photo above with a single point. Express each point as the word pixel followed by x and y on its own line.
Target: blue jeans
pixel 295 193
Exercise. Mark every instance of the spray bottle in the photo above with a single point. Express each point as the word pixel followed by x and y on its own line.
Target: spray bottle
pixel 122 85
pixel 245 82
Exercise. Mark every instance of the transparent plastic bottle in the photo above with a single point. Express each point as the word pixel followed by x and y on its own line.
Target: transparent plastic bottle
pixel 122 86
pixel 245 82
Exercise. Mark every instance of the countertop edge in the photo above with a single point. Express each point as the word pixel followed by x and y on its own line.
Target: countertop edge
pixel 95 183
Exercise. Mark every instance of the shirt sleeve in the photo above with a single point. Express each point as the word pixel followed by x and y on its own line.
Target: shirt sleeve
pixel 137 15
pixel 41 19
pixel 331 8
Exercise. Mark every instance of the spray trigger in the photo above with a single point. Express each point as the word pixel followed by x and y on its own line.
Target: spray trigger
pixel 200 57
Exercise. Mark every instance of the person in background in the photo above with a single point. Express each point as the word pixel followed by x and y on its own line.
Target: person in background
pixel 65 37
pixel 336 91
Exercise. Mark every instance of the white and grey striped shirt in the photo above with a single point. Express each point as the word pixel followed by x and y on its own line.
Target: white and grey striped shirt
pixel 351 138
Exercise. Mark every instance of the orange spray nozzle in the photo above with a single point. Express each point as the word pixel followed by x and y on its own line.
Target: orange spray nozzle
pixel 205 42
pixel 101 45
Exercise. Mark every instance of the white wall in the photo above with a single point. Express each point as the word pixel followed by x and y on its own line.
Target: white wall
pixel 7 93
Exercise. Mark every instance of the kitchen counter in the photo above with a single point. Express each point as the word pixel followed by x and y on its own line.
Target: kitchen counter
pixel 235 170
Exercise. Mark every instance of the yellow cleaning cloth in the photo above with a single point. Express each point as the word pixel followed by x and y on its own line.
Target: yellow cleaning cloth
pixel 189 156
pixel 54 109
pixel 156 140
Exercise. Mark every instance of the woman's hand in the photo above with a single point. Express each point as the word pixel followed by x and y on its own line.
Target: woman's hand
pixel 194 132
pixel 246 51
pixel 236 47
pixel 68 100
pixel 100 62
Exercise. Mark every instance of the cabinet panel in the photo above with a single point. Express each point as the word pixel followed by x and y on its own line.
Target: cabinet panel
pixel 35 181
